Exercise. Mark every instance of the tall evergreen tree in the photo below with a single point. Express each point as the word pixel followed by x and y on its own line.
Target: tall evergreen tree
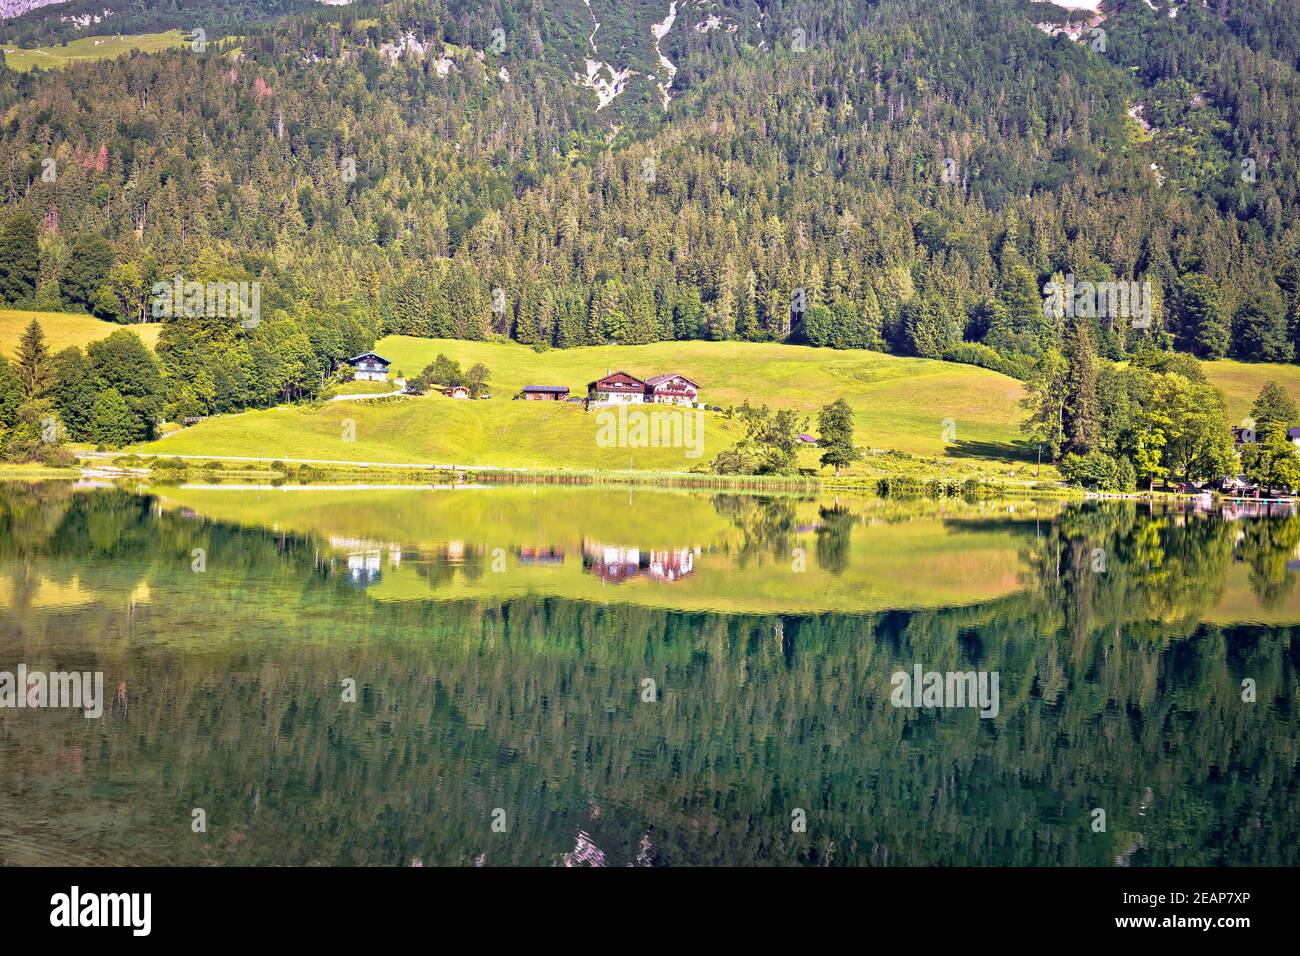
pixel 33 362
pixel 1082 410
pixel 11 395
pixel 90 257
pixel 1019 323
pixel 20 258
pixel 1199 323
pixel 1259 331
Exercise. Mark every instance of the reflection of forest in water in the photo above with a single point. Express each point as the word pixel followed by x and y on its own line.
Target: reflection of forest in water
pixel 1115 693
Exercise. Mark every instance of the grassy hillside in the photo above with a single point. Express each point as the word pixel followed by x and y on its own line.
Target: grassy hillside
pixel 433 430
pixel 1241 382
pixel 62 330
pixel 899 403
pixel 89 48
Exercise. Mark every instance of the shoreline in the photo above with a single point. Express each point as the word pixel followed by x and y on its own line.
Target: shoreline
pixel 251 472
pixel 228 470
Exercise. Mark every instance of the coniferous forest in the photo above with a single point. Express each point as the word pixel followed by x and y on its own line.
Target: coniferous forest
pixel 910 176
pixel 920 170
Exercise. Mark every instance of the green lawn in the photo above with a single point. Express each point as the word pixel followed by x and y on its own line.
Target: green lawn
pixel 434 430
pixel 64 329
pixel 1241 382
pixel 365 387
pixel 899 403
pixel 89 48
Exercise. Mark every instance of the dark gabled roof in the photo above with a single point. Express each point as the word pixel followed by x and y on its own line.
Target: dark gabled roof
pixel 605 378
pixel 549 389
pixel 1293 433
pixel 660 379
pixel 374 355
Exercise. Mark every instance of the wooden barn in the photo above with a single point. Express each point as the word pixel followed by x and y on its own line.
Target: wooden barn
pixel 544 393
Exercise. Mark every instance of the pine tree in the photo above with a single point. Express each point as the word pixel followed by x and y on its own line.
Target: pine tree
pixel 11 395
pixel 816 328
pixel 90 258
pixel 1259 330
pixel 1019 322
pixel 1082 409
pixel 33 362
pixel 20 258
pixel 1199 323
pixel 929 327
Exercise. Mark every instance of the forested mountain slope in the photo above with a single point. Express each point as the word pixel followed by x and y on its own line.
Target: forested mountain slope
pixel 919 169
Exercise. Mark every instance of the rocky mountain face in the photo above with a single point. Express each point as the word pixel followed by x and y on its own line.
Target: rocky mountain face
pixel 16 8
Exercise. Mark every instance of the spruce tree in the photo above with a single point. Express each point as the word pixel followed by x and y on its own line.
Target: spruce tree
pixel 1082 409
pixel 33 365
pixel 20 258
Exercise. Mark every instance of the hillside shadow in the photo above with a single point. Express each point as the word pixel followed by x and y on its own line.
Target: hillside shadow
pixel 1017 451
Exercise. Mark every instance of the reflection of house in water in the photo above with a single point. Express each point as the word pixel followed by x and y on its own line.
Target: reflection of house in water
pixel 365 559
pixel 1236 510
pixel 614 564
pixel 540 555
pixel 365 567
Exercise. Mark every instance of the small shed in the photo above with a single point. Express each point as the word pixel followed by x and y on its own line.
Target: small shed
pixel 544 393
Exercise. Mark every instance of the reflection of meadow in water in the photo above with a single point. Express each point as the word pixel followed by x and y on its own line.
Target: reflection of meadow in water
pixel 521 689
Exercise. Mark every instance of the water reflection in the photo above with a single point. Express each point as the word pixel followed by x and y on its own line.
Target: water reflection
pixel 523 689
pixel 614 564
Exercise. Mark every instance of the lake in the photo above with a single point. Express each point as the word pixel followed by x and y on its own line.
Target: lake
pixel 540 675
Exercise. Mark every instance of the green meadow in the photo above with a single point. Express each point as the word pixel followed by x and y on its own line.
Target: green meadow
pixel 63 329
pixel 433 430
pixel 1240 382
pixel 899 403
pixel 90 48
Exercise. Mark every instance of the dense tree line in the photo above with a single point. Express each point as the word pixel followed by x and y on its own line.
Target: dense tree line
pixel 910 180
pixel 117 391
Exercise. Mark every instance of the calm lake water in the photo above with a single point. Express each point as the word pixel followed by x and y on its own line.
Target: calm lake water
pixel 502 642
